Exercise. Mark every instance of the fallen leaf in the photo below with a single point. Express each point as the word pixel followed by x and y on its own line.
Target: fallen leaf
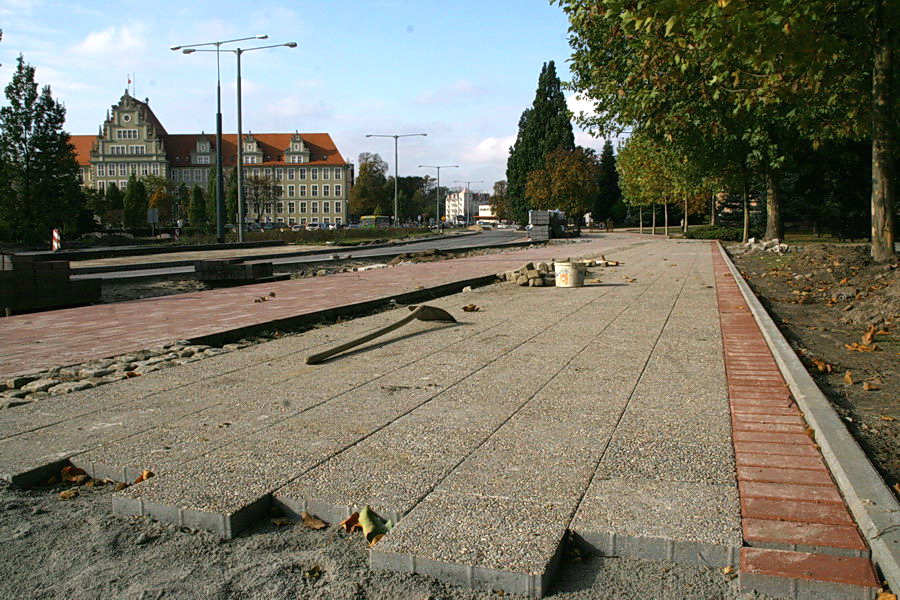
pixel 887 418
pixel 144 476
pixel 842 281
pixel 728 570
pixel 271 294
pixel 810 433
pixel 868 335
pixel 897 487
pixel 314 572
pixel 130 374
pixel 848 378
pixel 373 526
pixel 351 523
pixel 471 308
pixel 870 387
pixel 70 473
pixel 120 486
pixel 68 494
pixel 281 522
pixel 313 522
pixel 886 596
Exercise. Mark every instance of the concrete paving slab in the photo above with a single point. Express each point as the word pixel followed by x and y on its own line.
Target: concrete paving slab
pixel 683 522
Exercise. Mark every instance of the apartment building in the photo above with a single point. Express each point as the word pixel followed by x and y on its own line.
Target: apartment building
pixel 309 179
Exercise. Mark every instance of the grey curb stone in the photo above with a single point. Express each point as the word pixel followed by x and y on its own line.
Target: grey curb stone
pixel 873 505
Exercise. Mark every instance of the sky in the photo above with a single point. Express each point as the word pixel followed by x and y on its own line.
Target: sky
pixel 461 71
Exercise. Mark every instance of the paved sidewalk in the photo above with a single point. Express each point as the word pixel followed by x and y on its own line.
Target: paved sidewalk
pixel 32 342
pixel 597 415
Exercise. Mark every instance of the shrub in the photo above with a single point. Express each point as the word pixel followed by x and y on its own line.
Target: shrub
pixel 715 232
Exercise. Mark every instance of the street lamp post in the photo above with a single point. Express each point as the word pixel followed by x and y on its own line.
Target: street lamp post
pixel 437 191
pixel 465 203
pixel 396 169
pixel 220 177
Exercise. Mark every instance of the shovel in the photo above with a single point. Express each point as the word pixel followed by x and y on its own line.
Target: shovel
pixel 421 312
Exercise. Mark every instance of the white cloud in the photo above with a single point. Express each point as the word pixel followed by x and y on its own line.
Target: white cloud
pixel 111 41
pixel 461 89
pixel 490 150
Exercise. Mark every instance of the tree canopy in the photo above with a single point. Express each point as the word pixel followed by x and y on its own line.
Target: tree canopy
pixel 369 194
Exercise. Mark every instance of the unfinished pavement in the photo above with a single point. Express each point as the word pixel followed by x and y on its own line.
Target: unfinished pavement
pixel 600 411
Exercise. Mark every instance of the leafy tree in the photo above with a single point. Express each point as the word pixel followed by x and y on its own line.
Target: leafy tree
pixel 39 176
pixel 544 127
pixel 609 193
pixel 568 181
pixel 114 196
pixel 369 196
pixel 135 204
pixel 181 202
pixel 197 208
pixel 231 197
pixel 500 201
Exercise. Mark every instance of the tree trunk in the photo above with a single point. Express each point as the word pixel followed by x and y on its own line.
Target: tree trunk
pixel 774 225
pixel 684 230
pixel 882 120
pixel 641 218
pixel 653 221
pixel 713 210
pixel 746 212
pixel 666 217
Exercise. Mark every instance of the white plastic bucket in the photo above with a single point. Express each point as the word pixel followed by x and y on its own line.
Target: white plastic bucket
pixel 569 274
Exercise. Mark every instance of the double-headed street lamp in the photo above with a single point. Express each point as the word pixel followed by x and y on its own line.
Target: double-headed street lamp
pixel 396 170
pixel 465 203
pixel 220 177
pixel 437 191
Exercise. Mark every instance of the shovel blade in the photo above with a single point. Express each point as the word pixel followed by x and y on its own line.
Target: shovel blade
pixel 432 313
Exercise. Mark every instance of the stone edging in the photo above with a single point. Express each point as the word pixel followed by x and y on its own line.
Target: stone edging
pixel 872 504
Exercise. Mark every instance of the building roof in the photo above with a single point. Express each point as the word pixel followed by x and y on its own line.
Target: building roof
pixel 322 151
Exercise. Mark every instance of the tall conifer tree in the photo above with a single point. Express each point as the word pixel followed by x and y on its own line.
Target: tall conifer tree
pixel 544 127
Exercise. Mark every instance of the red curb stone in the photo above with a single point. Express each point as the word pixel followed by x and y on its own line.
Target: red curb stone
pixel 788 510
pixel 776 449
pixel 788 419
pixel 752 459
pixel 812 567
pixel 806 534
pixel 784 474
pixel 764 411
pixel 774 438
pixel 787 491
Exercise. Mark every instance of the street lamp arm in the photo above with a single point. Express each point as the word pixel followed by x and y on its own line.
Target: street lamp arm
pixel 260 36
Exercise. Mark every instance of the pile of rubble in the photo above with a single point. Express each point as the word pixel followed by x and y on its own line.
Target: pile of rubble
pixel 23 389
pixel 544 274
pixel 774 245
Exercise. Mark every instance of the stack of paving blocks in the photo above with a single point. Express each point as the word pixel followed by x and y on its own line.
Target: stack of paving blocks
pixel 540 225
pixel 27 284
pixel 231 271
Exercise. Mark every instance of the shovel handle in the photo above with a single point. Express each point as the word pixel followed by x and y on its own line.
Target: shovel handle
pixel 326 354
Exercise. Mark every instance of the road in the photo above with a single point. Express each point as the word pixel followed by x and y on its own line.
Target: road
pixel 288 263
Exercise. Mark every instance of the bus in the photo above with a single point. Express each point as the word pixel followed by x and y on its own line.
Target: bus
pixel 375 222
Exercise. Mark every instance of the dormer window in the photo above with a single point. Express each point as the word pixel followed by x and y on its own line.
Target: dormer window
pixel 203 147
pixel 249 147
pixel 296 146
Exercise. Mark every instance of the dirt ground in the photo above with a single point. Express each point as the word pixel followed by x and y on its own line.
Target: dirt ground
pixel 841 313
pixel 77 549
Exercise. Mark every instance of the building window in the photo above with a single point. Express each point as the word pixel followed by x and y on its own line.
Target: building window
pixel 156 168
pixel 279 207
pixel 126 117
pixel 292 207
pixel 123 185
pixel 126 134
pixel 315 207
pixel 291 190
pixel 116 149
pixel 315 190
pixel 337 220
pixel 291 174
pixel 302 191
pixel 101 185
pixel 338 173
pixel 101 170
pixel 338 207
pixel 202 160
pixel 255 172
pixel 296 146
pixel 302 174
pixel 337 190
pixel 326 189
pixel 314 173
pixel 315 219
pixel 267 172
pixel 303 220
pixel 269 208
pixel 279 190
pixel 123 170
pixel 326 206
pixel 198 174
pixel 145 169
pixel 133 167
pixel 251 160
pixel 292 221
pixel 249 147
pixel 203 147
pixel 325 173
pixel 279 220
pixel 303 207
pixel 279 174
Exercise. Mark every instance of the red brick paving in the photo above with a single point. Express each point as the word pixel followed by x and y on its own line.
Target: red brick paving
pixel 788 497
pixel 32 342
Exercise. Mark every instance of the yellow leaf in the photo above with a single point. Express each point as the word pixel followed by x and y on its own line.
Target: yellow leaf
pixel 728 570
pixel 144 476
pixel 848 378
pixel 68 494
pixel 869 335
pixel 870 387
pixel 887 418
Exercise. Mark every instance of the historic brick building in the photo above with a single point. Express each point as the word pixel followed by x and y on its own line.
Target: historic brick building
pixel 310 179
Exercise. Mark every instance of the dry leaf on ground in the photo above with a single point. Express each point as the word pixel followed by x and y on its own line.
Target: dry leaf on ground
pixel 281 522
pixel 68 494
pixel 312 521
pixel 144 476
pixel 351 523
pixel 70 473
pixel 471 308
pixel 848 378
pixel 887 418
pixel 870 387
pixel 868 335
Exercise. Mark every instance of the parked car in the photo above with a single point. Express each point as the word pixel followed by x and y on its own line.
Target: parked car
pixel 296 227
pixel 312 227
